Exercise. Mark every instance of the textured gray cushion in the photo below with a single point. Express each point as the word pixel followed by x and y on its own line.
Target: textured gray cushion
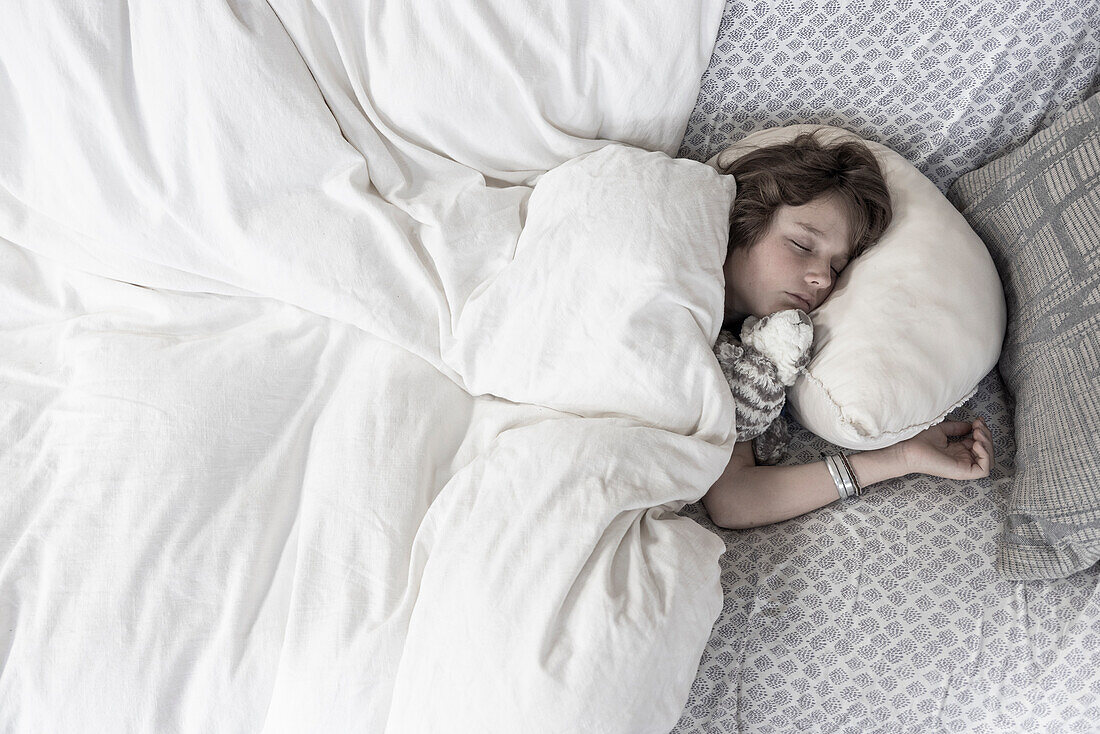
pixel 1038 211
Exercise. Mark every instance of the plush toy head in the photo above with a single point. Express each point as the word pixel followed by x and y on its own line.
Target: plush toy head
pixel 759 368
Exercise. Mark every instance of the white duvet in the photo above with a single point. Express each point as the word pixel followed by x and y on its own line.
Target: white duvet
pixel 355 362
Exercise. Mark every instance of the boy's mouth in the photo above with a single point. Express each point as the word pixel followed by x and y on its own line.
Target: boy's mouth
pixel 804 303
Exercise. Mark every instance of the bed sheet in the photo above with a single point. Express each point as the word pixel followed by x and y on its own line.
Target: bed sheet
pixel 294 434
pixel 949 85
pixel 887 614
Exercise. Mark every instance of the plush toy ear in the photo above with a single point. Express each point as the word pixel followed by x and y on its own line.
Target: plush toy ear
pixel 727 348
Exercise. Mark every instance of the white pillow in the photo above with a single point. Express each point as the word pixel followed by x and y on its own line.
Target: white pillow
pixel 913 324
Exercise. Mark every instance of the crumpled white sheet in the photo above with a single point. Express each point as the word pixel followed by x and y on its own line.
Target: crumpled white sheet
pixel 323 406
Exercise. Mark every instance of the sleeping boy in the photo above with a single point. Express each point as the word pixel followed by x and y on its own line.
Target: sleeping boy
pixel 803 211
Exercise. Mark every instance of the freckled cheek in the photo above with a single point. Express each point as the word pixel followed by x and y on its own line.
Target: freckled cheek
pixel 791 268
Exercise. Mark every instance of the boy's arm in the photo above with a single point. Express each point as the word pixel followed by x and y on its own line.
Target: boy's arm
pixel 747 495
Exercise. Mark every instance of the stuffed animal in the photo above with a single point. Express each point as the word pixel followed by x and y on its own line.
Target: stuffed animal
pixel 771 353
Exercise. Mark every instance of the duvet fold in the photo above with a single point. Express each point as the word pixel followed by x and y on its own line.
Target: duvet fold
pixel 335 399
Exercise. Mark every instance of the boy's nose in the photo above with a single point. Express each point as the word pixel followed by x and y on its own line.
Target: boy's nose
pixel 820 278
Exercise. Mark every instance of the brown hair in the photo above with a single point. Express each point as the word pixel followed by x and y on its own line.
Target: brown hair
pixel 799 171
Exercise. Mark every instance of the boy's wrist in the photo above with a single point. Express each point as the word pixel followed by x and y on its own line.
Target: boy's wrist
pixel 900 456
pixel 878 465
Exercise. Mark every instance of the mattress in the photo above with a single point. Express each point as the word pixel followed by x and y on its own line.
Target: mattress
pixel 886 614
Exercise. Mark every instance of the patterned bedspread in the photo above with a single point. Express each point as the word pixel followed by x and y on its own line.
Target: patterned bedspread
pixel 948 85
pixel 886 614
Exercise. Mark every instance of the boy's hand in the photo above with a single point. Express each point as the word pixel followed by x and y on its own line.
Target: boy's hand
pixel 930 452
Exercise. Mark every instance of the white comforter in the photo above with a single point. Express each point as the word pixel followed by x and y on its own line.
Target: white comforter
pixel 324 406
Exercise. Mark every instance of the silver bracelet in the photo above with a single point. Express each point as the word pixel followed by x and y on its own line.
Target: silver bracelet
pixel 841 488
pixel 846 484
pixel 852 475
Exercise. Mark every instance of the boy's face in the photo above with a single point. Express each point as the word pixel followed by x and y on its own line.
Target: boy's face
pixel 772 274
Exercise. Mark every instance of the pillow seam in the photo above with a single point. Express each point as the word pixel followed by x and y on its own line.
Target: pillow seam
pixel 848 422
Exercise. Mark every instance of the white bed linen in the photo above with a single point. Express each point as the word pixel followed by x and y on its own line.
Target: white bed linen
pixel 302 428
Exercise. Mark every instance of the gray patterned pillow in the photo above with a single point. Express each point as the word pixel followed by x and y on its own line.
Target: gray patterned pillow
pixel 1038 211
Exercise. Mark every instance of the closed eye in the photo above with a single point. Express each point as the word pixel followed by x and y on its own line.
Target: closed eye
pixel 836 272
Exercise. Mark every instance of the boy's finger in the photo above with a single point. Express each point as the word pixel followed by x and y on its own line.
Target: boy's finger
pixel 983 459
pixel 956 428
